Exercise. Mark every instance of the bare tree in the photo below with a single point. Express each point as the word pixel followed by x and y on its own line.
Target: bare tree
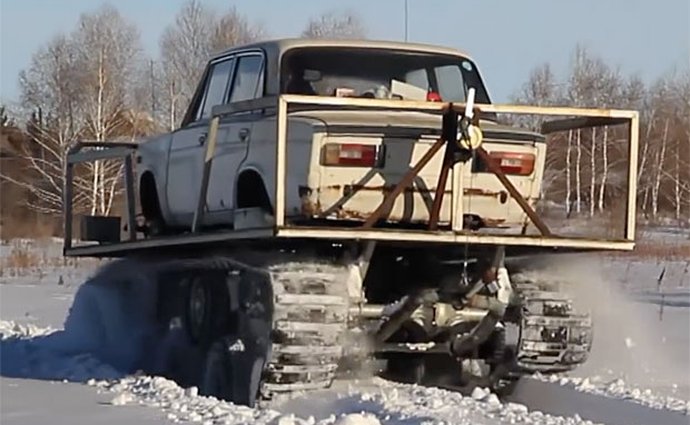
pixel 108 54
pixel 184 49
pixel 233 29
pixel 592 84
pixel 591 164
pixel 47 87
pixel 186 46
pixel 335 25
pixel 80 88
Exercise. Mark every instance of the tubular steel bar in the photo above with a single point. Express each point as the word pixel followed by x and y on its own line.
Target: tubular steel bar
pixel 68 194
pixel 101 151
pixel 131 203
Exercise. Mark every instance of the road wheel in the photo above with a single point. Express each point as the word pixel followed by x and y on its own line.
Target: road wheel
pixel 232 372
pixel 218 378
pixel 206 311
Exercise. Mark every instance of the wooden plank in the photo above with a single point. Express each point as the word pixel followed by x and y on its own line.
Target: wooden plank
pixel 206 173
pixel 631 205
pixel 364 103
pixel 447 237
pixel 556 110
pixel 281 145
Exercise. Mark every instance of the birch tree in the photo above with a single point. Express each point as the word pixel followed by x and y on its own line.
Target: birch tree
pixel 108 53
pixel 79 87
pixel 48 88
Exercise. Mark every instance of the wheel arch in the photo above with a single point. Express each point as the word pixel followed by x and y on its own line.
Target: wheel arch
pixel 150 195
pixel 251 189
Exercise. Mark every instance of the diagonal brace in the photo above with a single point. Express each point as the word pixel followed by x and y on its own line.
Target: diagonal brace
pixel 543 228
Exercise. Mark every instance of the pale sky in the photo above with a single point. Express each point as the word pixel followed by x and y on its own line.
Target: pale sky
pixel 506 38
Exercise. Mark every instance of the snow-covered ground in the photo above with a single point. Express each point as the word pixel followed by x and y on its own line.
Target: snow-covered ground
pixel 638 373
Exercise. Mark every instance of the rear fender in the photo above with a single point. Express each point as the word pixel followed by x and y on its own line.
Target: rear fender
pixel 152 156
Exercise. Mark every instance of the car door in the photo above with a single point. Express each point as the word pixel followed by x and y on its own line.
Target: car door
pixel 234 135
pixel 185 165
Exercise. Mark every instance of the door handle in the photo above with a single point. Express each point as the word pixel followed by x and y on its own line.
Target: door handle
pixel 244 134
pixel 202 138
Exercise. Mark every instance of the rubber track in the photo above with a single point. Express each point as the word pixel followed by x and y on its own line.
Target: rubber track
pixel 310 324
pixel 551 357
pixel 309 321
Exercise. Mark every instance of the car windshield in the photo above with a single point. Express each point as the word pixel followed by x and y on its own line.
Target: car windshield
pixel 379 73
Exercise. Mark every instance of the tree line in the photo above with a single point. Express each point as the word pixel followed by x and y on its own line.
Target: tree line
pixel 97 83
pixel 587 169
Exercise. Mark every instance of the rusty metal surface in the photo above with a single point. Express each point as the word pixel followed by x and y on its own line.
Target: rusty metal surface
pixel 404 183
pixel 471 191
pixel 543 228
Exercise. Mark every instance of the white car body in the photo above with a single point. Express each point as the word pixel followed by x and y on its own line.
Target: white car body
pixel 170 166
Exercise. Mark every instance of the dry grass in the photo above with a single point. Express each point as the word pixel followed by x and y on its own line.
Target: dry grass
pixel 27 256
pixel 21 257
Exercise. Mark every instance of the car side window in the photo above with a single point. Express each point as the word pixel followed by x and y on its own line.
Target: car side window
pixel 248 81
pixel 217 86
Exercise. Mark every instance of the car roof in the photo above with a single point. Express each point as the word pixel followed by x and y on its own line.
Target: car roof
pixel 279 46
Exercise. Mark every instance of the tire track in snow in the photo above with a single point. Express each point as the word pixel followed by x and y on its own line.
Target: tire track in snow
pixel 567 401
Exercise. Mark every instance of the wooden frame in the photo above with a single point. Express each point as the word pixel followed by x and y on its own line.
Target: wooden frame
pixel 577 118
pixel 584 117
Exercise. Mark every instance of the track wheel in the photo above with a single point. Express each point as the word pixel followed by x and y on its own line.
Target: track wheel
pixel 205 310
pixel 232 372
pixel 217 380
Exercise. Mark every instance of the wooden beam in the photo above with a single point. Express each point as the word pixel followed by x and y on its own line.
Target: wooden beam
pixel 281 145
pixel 631 205
pixel 581 122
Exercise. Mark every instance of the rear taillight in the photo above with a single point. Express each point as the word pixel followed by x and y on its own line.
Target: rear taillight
pixel 520 164
pixel 432 96
pixel 353 155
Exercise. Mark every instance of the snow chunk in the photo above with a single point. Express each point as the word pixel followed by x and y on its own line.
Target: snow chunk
pixel 358 419
pixel 122 399
pixel 479 393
